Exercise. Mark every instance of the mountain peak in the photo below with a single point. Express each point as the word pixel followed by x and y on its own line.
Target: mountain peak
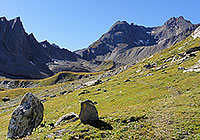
pixel 3 19
pixel 16 24
pixel 118 25
pixel 178 20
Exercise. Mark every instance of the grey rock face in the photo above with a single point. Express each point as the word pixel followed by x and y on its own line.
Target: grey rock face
pixel 88 112
pixel 22 56
pixel 196 33
pixel 20 53
pixel 27 116
pixel 127 43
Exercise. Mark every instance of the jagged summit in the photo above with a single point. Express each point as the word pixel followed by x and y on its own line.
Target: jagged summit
pixel 3 19
pixel 22 56
pixel 176 20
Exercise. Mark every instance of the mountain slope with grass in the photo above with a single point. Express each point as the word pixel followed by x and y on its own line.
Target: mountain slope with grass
pixel 157 98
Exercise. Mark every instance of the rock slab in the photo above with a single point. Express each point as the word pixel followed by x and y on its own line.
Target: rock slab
pixel 88 112
pixel 27 116
pixel 66 117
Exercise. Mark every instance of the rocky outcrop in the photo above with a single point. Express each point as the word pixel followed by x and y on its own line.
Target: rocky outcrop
pixel 127 43
pixel 88 112
pixel 196 33
pixel 27 116
pixel 94 82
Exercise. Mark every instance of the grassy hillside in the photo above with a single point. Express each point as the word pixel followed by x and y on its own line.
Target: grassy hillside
pixel 157 103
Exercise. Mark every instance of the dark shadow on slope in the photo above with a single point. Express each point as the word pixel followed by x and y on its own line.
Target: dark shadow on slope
pixel 101 125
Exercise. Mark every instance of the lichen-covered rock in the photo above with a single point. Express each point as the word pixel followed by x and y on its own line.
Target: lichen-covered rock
pixel 88 112
pixel 27 116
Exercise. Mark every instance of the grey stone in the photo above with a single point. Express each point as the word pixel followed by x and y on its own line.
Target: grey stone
pixel 150 74
pixel 83 92
pixel 52 96
pixel 149 66
pixel 98 89
pixel 88 112
pixel 94 82
pixel 127 80
pixel 27 116
pixel 181 68
pixel 66 117
pixel 63 92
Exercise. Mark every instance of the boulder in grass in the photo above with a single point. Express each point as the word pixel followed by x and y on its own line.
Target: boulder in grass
pixel 88 112
pixel 66 117
pixel 27 116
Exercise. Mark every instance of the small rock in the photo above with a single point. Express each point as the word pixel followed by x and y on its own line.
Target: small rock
pixel 95 82
pixel 63 92
pixel 52 125
pixel 150 74
pixel 192 55
pixel 127 80
pixel 88 112
pixel 66 117
pixel 83 92
pixel 164 67
pixel 149 66
pixel 98 89
pixel 5 99
pixel 52 96
pixel 43 100
pixel 181 68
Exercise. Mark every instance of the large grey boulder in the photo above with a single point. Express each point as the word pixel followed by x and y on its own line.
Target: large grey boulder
pixel 88 112
pixel 27 116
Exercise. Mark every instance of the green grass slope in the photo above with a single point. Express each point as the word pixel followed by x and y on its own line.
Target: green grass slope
pixel 157 103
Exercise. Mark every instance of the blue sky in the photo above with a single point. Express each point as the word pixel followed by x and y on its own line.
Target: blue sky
pixel 75 24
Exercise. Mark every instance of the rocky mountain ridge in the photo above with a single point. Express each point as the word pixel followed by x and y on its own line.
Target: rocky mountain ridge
pixel 126 43
pixel 23 57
